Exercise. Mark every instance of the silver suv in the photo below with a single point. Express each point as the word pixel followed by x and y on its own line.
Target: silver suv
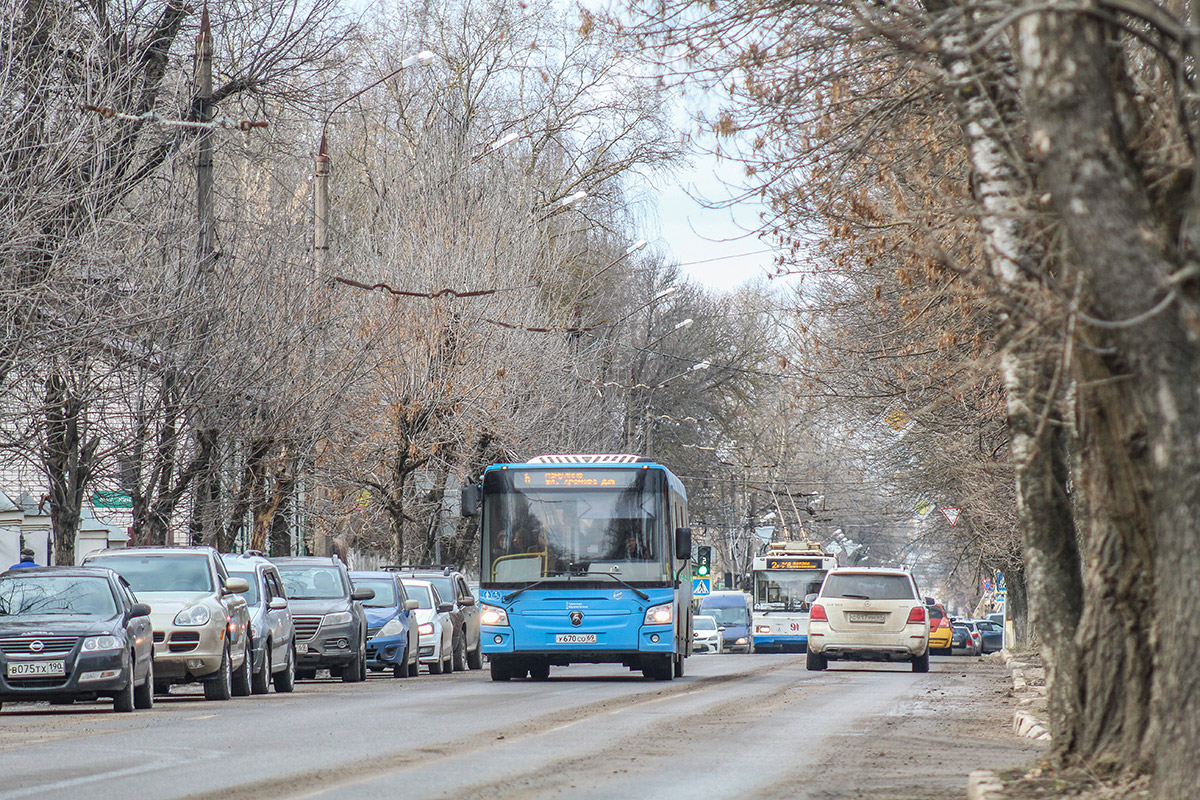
pixel 272 634
pixel 868 614
pixel 201 622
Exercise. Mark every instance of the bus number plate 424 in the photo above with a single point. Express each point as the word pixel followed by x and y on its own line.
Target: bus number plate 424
pixel 574 638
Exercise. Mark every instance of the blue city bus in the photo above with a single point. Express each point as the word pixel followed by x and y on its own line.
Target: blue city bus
pixel 584 559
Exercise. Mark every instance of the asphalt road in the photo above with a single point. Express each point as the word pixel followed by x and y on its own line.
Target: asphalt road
pixel 757 726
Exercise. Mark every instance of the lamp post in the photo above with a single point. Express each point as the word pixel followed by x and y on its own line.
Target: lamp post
pixel 323 166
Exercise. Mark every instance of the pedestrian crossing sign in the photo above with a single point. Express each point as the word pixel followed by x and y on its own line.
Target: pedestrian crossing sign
pixel 701 586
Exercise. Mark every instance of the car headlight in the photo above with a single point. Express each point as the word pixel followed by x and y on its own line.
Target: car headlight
pixel 493 615
pixel 741 640
pixel 425 628
pixel 94 644
pixel 392 628
pixel 338 618
pixel 195 615
pixel 660 615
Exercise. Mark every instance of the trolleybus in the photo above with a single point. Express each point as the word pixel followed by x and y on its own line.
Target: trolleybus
pixel 784 578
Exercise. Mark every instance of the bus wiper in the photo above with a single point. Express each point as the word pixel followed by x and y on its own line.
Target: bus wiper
pixel 549 575
pixel 628 586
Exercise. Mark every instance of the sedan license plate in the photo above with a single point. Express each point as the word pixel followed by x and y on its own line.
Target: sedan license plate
pixel 37 669
pixel 866 616
pixel 301 648
pixel 574 638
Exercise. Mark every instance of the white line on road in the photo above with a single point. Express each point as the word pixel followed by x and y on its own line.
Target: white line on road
pixel 46 788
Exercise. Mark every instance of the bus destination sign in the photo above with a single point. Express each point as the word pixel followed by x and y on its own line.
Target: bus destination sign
pixel 576 479
pixel 793 563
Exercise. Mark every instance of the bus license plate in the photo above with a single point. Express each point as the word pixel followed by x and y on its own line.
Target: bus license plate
pixel 37 669
pixel 574 638
pixel 866 616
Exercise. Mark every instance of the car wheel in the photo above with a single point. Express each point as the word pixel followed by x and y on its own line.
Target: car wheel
pixel 500 669
pixel 475 659
pixel 123 700
pixel 143 696
pixel 414 667
pixel 921 663
pixel 244 677
pixel 356 670
pixel 220 686
pixel 448 664
pixel 285 679
pixel 260 682
pixel 816 662
pixel 460 655
pixel 436 667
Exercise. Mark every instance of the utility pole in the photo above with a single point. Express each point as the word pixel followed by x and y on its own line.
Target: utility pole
pixel 321 170
pixel 206 245
pixel 208 492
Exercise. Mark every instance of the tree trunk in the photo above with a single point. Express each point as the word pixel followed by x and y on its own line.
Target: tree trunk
pixel 68 460
pixel 1141 413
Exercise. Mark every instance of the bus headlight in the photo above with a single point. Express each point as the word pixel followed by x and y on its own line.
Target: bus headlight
pixel 493 615
pixel 660 615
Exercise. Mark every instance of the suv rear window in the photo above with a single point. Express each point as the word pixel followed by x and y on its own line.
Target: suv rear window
pixel 867 586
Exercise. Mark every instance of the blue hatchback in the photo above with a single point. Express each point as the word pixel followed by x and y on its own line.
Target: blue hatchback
pixel 391 627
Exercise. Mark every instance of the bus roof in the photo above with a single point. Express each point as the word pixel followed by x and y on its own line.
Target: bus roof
pixel 598 460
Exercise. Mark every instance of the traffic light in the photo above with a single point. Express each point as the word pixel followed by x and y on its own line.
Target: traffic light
pixel 703 561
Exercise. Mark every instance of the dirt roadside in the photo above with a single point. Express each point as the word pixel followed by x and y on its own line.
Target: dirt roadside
pixel 961 722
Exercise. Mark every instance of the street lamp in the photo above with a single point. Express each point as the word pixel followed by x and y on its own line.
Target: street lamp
pixel 323 166
pixel 646 416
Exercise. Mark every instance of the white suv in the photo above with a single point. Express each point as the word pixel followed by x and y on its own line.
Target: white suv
pixel 868 614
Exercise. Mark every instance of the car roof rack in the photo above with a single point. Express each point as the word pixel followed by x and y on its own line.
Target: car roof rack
pixel 445 569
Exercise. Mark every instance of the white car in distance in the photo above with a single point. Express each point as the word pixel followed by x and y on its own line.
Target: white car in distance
pixel 706 635
pixel 868 614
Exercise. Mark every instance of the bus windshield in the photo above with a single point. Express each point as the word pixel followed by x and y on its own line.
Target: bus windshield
pixel 574 522
pixel 776 590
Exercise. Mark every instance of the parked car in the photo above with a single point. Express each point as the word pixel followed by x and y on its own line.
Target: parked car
pixel 964 639
pixel 706 635
pixel 992 634
pixel 452 587
pixel 732 612
pixel 392 638
pixel 74 633
pixel 434 624
pixel 940 633
pixel 868 614
pixel 331 626
pixel 272 633
pixel 201 621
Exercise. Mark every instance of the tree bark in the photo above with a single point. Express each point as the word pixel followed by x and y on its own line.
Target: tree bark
pixel 1141 414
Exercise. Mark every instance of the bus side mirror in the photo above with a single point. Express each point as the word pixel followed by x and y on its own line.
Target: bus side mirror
pixel 683 543
pixel 470 501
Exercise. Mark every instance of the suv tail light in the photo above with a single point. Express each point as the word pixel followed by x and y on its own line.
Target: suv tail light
pixel 916 616
pixel 817 614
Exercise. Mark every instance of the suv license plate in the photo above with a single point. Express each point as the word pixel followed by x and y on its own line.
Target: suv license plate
pixel 37 669
pixel 301 648
pixel 866 616
pixel 574 638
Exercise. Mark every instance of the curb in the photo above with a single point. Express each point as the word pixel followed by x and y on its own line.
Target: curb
pixel 983 784
pixel 1024 723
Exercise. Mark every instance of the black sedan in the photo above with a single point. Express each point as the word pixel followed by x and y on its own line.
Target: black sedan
pixel 74 633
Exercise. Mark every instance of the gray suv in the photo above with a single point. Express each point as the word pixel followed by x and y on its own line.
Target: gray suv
pixel 272 634
pixel 331 626
pixel 452 587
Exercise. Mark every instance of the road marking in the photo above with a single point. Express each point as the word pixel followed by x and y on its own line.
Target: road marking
pixel 47 788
